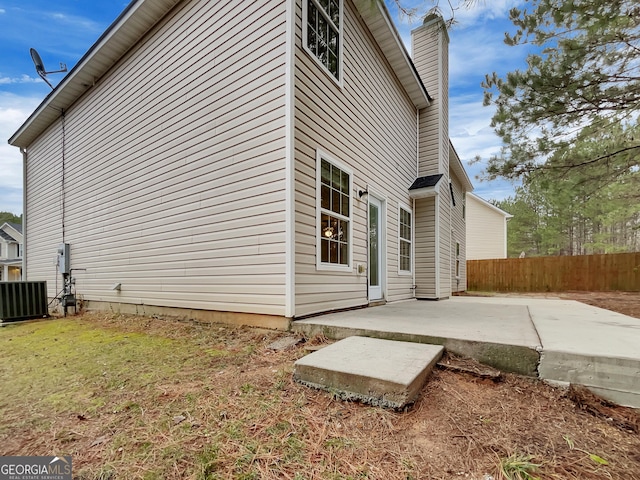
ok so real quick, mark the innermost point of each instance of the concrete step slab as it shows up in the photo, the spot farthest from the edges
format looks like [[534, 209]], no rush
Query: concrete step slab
[[378, 372]]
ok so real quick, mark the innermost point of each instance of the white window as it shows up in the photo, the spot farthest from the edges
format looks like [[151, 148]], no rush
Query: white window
[[404, 240], [19, 250], [322, 35], [333, 187]]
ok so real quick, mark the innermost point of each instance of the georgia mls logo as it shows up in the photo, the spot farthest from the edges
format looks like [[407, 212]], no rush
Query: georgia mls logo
[[35, 468]]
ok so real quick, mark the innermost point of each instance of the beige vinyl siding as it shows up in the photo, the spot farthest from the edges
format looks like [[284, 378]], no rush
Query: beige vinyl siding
[[443, 45], [369, 125], [458, 235], [44, 207], [175, 166], [444, 238], [428, 160], [429, 52], [486, 231], [425, 247]]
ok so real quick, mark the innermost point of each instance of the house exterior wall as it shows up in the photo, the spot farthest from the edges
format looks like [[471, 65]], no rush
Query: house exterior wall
[[486, 231], [444, 240], [429, 44], [425, 247], [10, 271], [8, 250], [430, 56], [458, 238], [174, 178], [43, 207], [368, 124]]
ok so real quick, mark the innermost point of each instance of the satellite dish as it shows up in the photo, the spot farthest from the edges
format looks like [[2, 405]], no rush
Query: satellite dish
[[37, 61]]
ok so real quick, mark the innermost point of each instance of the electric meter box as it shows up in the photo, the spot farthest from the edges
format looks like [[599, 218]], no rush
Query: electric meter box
[[64, 259]]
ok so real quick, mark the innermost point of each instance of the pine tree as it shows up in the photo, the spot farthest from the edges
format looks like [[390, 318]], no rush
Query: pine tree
[[586, 74]]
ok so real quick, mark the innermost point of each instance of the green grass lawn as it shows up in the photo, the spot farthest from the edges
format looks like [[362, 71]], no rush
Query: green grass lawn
[[125, 403], [140, 398]]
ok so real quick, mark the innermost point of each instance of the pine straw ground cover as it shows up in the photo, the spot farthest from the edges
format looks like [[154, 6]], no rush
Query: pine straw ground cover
[[134, 397]]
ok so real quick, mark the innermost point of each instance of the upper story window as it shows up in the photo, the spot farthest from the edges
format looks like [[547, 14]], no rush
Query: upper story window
[[334, 214], [323, 33], [19, 250]]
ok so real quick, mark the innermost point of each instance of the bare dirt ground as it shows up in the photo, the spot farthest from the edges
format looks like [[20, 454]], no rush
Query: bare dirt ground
[[627, 303], [135, 397]]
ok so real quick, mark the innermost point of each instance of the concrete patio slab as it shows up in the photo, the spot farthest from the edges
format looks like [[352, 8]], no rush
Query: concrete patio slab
[[584, 345], [558, 340], [502, 336], [379, 372]]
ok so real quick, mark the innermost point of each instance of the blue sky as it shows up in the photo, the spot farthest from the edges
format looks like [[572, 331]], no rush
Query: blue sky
[[62, 31]]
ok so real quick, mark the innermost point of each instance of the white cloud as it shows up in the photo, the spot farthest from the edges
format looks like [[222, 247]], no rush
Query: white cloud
[[75, 21], [472, 135], [13, 112], [474, 53], [483, 11], [21, 79], [2, 10]]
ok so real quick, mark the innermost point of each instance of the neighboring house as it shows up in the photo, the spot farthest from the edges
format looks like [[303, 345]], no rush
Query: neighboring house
[[486, 229], [275, 159], [10, 252]]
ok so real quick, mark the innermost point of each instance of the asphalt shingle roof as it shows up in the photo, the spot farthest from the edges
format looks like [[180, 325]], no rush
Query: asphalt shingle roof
[[4, 235], [424, 182]]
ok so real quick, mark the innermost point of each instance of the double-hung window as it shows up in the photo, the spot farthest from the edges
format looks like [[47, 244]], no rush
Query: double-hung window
[[405, 228], [322, 33], [334, 222]]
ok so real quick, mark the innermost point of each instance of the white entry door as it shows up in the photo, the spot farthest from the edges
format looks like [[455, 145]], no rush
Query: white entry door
[[376, 247]]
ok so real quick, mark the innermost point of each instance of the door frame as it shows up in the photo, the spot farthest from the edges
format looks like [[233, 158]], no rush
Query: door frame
[[379, 292]]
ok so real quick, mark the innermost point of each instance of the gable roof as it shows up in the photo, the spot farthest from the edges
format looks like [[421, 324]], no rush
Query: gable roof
[[489, 205], [7, 235], [141, 15], [16, 226]]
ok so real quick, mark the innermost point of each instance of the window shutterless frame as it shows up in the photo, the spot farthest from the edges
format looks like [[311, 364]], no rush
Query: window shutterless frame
[[322, 35], [334, 213]]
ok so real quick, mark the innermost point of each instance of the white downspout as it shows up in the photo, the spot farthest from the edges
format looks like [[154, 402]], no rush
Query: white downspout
[[413, 246], [437, 244], [413, 204], [290, 244], [24, 213], [452, 252]]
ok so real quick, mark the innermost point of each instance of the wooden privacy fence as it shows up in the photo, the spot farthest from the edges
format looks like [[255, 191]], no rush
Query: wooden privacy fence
[[598, 273]]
